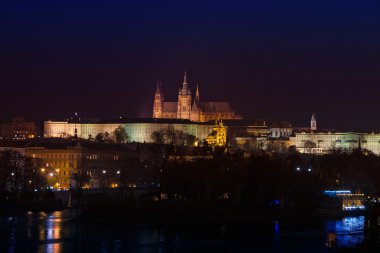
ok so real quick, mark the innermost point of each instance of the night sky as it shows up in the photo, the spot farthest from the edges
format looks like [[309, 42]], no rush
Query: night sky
[[280, 60]]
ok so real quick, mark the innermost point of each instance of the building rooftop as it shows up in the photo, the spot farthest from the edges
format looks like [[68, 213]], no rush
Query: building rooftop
[[59, 143], [280, 124], [246, 122]]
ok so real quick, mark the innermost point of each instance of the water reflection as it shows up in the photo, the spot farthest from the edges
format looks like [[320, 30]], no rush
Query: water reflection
[[276, 237], [54, 233], [349, 230], [50, 233]]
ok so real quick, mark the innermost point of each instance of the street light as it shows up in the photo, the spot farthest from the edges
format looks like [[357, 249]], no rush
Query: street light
[[118, 172], [104, 178], [298, 169], [12, 174]]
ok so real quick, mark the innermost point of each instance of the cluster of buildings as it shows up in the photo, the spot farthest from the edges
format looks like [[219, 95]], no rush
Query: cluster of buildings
[[99, 165], [314, 141], [189, 109], [213, 122], [18, 129]]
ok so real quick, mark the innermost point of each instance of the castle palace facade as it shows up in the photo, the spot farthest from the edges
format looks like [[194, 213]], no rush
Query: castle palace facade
[[187, 108]]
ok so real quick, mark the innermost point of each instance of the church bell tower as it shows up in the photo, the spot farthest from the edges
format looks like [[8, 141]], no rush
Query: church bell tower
[[313, 123], [184, 100], [157, 104]]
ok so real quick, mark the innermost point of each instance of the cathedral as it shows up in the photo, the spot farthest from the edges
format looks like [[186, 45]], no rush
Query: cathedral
[[187, 108]]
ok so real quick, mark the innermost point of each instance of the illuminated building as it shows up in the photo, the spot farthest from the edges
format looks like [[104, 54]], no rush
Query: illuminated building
[[259, 135], [17, 129], [280, 129], [138, 130], [315, 141], [247, 128], [61, 159], [218, 137], [185, 108], [343, 200]]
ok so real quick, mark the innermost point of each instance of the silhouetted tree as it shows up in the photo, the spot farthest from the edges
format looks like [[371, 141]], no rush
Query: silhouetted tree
[[104, 138], [20, 174], [120, 135]]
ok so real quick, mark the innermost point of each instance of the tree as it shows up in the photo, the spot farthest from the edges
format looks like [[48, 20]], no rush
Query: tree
[[120, 135], [189, 139], [107, 138], [173, 137], [99, 138], [170, 135], [103, 138], [19, 174], [157, 137]]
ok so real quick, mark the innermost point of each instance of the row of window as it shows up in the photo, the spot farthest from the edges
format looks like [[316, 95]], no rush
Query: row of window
[[56, 156], [96, 157]]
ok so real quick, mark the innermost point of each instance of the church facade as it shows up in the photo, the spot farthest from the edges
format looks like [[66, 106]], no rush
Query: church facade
[[187, 108]]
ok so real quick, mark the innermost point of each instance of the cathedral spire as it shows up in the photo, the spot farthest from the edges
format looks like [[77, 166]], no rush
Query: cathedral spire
[[158, 91], [157, 102], [196, 100], [185, 83]]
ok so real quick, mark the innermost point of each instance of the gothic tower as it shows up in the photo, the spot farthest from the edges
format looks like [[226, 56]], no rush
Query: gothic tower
[[184, 100], [313, 123], [195, 109], [197, 99], [158, 100]]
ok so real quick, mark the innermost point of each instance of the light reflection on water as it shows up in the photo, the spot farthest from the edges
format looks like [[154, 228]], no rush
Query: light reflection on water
[[50, 233], [349, 230], [54, 233]]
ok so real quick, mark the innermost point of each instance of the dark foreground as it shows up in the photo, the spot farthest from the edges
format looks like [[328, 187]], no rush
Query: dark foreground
[[60, 232]]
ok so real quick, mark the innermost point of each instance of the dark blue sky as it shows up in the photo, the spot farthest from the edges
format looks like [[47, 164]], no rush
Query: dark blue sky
[[270, 59]]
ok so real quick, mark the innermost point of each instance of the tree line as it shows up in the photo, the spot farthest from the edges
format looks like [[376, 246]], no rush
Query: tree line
[[119, 135], [265, 179], [20, 176]]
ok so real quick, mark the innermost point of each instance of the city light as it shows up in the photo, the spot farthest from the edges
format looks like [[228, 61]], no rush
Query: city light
[[118, 172], [50, 174], [348, 208], [335, 193], [12, 174], [104, 172], [298, 169]]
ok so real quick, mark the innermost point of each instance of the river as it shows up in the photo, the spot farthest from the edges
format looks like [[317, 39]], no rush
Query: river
[[56, 233]]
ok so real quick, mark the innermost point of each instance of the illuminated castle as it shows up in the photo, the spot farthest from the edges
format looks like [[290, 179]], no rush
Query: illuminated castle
[[185, 108]]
